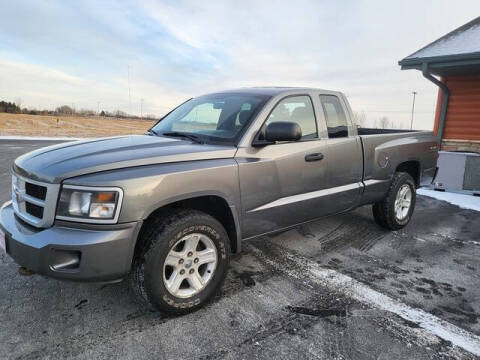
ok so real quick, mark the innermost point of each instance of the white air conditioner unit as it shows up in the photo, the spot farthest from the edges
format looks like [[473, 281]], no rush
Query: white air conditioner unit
[[458, 171]]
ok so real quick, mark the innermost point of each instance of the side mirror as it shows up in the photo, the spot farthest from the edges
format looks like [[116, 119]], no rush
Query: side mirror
[[283, 131]]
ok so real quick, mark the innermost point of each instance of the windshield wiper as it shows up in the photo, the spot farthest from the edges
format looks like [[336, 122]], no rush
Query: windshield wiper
[[192, 137], [152, 132]]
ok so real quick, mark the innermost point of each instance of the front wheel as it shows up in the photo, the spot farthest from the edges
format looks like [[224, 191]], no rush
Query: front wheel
[[181, 261], [395, 210]]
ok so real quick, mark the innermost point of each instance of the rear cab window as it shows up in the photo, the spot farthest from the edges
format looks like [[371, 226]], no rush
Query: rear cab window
[[337, 124]]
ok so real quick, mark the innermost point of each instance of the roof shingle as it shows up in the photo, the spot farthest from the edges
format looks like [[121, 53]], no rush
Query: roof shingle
[[461, 41]]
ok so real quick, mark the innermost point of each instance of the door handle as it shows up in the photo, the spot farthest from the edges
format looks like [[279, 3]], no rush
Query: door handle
[[314, 157]]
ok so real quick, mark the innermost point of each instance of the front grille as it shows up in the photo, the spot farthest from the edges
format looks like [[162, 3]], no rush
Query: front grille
[[37, 191], [34, 210], [34, 202]]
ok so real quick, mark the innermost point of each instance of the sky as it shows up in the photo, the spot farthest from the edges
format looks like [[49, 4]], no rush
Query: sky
[[109, 55]]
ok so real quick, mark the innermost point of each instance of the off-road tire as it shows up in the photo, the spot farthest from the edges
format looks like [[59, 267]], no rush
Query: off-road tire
[[154, 244], [384, 211]]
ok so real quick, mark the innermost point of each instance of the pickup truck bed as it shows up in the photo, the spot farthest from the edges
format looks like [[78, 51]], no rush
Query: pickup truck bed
[[375, 131], [382, 148]]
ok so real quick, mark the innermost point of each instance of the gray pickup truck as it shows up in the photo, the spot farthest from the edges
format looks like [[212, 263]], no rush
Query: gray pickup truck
[[167, 208]]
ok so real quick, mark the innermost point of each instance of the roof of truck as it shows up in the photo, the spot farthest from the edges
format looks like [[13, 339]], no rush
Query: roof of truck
[[271, 90]]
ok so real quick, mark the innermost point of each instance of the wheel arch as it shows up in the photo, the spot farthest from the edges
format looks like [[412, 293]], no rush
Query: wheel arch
[[411, 167], [213, 204]]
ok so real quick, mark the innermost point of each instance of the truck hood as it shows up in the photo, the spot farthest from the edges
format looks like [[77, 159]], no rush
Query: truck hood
[[58, 162]]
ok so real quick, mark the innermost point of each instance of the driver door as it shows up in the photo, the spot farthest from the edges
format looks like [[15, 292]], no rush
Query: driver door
[[281, 184]]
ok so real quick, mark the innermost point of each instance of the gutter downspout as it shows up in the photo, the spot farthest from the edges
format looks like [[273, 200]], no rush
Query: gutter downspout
[[445, 97]]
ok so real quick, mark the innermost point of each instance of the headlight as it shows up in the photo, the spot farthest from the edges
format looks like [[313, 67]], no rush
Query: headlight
[[93, 205]]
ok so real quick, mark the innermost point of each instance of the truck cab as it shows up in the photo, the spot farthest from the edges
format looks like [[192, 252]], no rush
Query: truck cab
[[296, 181]]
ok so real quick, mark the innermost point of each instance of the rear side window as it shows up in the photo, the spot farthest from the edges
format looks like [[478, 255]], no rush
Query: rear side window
[[335, 116], [297, 109]]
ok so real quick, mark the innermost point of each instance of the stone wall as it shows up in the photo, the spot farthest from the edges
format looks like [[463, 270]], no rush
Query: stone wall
[[461, 145]]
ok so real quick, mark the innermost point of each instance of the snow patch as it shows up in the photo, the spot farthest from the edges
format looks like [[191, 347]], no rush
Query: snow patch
[[337, 281], [462, 42], [464, 201]]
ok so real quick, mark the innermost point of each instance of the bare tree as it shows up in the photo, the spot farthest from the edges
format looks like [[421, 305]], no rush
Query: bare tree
[[397, 124], [384, 122], [120, 114], [86, 112], [64, 110], [360, 118]]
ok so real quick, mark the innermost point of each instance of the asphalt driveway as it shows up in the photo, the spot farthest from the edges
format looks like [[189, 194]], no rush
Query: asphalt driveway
[[339, 288]]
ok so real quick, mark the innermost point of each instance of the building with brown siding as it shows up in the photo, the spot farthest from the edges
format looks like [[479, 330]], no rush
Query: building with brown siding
[[462, 123], [453, 64]]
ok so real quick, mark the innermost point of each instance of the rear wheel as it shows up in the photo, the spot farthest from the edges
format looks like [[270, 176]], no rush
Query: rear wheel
[[396, 209], [181, 261]]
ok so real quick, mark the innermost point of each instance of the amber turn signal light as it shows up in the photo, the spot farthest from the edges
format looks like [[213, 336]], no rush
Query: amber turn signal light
[[106, 197]]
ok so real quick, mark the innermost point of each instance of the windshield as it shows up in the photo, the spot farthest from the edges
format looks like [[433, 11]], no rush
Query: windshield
[[217, 117]]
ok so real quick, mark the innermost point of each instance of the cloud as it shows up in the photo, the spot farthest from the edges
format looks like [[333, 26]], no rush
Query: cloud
[[38, 83], [353, 47], [44, 87], [79, 52]]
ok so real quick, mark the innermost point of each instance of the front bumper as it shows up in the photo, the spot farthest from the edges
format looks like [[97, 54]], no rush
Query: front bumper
[[70, 251]]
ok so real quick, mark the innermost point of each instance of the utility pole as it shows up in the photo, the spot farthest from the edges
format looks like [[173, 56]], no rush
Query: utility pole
[[413, 109], [98, 108], [141, 108], [129, 97]]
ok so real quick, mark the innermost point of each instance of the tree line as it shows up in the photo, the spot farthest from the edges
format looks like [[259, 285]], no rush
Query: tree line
[[9, 107], [360, 119], [65, 110]]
